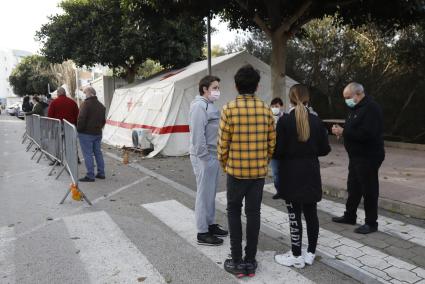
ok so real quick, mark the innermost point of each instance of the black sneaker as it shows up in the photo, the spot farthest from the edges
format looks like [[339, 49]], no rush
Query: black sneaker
[[344, 220], [207, 239], [236, 268], [86, 179], [366, 229], [216, 230], [100, 176], [276, 196], [251, 267]]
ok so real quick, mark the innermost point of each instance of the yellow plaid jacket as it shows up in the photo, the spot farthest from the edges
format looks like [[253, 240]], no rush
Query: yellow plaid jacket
[[246, 137]]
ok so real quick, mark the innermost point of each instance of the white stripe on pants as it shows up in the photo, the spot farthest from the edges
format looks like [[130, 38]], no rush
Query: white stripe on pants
[[206, 173]]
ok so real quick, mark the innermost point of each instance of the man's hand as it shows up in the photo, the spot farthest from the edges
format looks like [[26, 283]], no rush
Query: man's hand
[[337, 130]]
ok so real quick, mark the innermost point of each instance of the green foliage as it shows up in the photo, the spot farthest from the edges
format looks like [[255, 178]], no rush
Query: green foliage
[[117, 34], [149, 68], [31, 76], [329, 54], [216, 50]]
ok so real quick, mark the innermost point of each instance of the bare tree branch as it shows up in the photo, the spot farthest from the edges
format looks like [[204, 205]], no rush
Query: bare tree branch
[[260, 22], [262, 26], [287, 23]]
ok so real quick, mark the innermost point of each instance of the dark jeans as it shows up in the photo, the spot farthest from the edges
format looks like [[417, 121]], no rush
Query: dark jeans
[[275, 172], [252, 191], [296, 226], [363, 182]]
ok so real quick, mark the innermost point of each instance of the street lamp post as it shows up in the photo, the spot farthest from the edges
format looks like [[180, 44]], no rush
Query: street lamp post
[[209, 42]]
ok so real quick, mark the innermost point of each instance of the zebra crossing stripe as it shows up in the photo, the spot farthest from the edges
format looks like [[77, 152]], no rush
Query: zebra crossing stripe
[[376, 264], [387, 225], [182, 221], [107, 254], [7, 251]]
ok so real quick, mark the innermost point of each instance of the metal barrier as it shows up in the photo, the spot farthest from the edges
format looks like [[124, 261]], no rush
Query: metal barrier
[[28, 131], [51, 140], [36, 135], [27, 128], [36, 129], [51, 137], [71, 158]]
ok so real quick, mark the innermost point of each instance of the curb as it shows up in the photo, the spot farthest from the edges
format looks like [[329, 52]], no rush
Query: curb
[[384, 203]]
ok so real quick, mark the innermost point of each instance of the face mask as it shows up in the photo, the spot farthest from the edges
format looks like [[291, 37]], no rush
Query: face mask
[[214, 95], [275, 110], [350, 102]]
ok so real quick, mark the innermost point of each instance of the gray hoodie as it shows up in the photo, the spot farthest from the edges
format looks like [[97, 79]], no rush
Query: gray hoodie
[[204, 118]]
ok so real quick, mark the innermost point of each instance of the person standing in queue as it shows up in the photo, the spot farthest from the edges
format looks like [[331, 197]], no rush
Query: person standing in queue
[[246, 143], [203, 125], [276, 106], [90, 123], [301, 139]]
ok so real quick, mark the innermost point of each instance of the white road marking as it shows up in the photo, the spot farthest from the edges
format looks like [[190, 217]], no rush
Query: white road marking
[[120, 189], [7, 254], [364, 259], [387, 225], [182, 221], [108, 255], [76, 210]]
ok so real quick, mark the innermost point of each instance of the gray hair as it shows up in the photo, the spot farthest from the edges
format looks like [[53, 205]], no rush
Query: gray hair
[[355, 88], [60, 91], [89, 89]]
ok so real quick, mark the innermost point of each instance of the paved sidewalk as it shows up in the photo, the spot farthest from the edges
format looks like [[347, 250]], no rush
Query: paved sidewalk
[[402, 179]]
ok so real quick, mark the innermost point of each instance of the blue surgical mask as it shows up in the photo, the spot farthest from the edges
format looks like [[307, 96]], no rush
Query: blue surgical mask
[[350, 102]]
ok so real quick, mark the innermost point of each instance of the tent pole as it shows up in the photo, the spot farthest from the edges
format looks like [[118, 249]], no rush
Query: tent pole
[[209, 42]]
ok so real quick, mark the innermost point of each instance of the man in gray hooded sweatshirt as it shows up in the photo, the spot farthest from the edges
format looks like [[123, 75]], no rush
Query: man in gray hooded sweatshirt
[[203, 123]]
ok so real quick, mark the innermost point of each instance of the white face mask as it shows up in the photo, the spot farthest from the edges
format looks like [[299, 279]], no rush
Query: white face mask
[[275, 110], [214, 95]]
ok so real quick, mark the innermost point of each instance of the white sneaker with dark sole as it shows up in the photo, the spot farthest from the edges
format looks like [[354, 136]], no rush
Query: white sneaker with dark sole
[[288, 259]]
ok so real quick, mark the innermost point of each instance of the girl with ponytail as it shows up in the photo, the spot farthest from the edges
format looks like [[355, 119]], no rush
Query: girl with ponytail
[[301, 139]]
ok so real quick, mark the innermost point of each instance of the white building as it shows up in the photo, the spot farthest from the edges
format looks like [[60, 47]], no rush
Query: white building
[[9, 58]]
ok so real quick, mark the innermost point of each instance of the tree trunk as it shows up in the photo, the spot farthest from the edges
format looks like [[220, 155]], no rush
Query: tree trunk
[[130, 75], [278, 67]]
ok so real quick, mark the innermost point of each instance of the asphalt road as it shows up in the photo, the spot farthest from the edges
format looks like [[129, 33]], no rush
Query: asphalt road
[[139, 228]]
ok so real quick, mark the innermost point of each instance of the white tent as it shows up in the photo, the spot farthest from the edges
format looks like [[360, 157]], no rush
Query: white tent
[[162, 103]]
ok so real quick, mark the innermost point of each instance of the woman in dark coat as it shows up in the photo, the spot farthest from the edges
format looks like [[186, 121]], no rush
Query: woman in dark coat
[[301, 139], [38, 107]]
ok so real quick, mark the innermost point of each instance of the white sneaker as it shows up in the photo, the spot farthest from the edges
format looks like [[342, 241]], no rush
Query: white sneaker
[[288, 259], [308, 257]]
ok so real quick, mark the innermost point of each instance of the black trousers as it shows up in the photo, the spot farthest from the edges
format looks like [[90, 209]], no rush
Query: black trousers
[[296, 227], [252, 191], [363, 182]]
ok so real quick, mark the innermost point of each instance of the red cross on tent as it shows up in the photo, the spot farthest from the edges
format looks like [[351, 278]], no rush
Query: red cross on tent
[[130, 104]]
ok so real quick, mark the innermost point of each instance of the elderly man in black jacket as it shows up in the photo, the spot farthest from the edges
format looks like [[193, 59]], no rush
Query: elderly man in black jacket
[[364, 144]]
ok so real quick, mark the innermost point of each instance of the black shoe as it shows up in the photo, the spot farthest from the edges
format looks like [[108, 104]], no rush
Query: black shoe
[[100, 176], [366, 229], [236, 268], [207, 239], [276, 196], [216, 230], [344, 220], [251, 267], [87, 179]]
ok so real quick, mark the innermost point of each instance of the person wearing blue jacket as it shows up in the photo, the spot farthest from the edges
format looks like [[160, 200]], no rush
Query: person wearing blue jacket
[[204, 119]]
